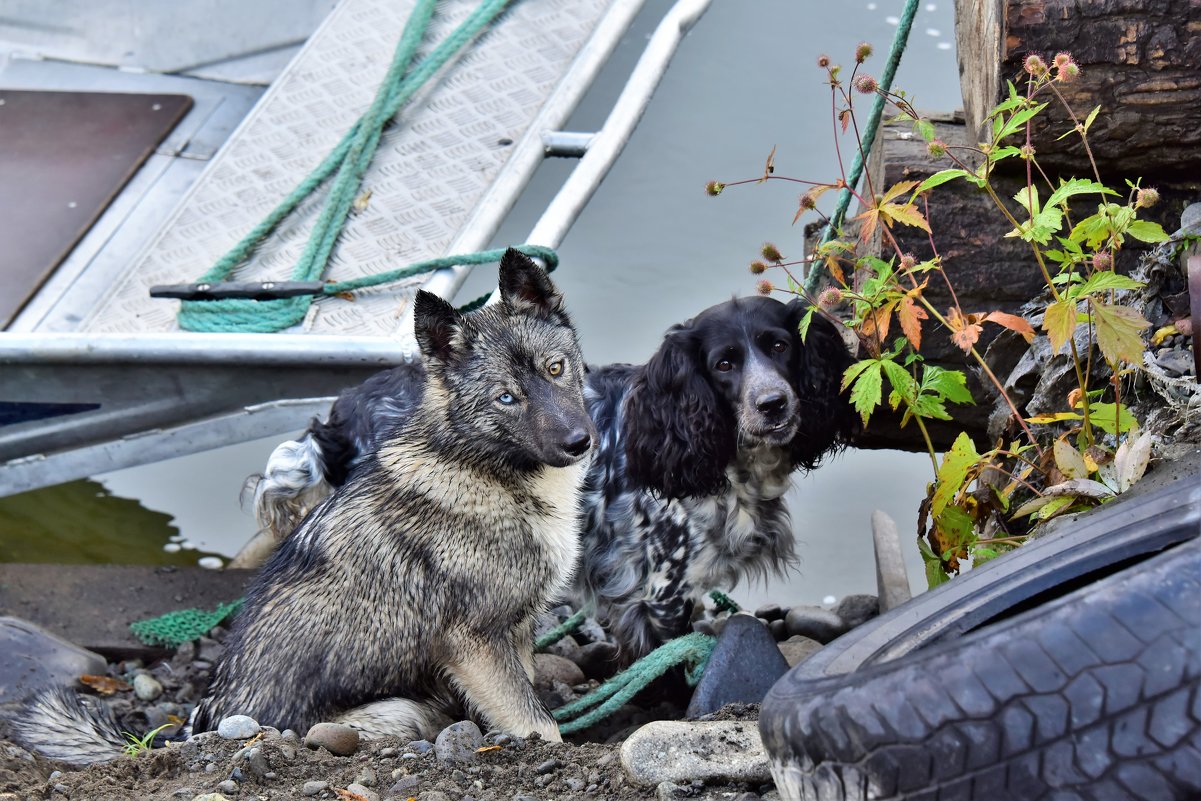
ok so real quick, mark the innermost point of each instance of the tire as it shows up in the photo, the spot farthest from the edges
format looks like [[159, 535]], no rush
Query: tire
[[1095, 695], [1078, 551]]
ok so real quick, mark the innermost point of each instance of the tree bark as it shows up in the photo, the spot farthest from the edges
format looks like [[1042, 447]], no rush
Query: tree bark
[[1139, 59]]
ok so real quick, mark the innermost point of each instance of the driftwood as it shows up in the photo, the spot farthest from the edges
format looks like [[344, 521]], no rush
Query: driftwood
[[1139, 59]]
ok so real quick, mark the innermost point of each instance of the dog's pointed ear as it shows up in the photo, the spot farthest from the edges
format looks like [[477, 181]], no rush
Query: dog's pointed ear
[[827, 419], [678, 438], [525, 287], [436, 325]]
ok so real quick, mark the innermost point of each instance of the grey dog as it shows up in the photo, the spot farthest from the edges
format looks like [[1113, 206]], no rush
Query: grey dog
[[409, 596]]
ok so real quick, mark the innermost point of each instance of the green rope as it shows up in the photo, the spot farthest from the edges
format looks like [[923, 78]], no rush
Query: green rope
[[817, 269], [176, 628], [349, 160], [723, 602], [692, 650], [559, 632]]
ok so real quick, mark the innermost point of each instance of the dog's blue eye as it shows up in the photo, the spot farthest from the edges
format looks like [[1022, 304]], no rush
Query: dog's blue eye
[[507, 399]]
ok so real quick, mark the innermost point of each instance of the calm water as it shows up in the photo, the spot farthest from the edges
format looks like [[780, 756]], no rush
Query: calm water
[[650, 250]]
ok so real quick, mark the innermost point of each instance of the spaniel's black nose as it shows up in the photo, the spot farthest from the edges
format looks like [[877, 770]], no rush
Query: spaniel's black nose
[[771, 402]]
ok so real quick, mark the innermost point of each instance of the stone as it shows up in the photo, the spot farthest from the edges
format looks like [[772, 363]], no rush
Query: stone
[[367, 778], [238, 727], [366, 792], [32, 658], [228, 786], [777, 629], [797, 649], [208, 797], [892, 578], [683, 751], [458, 742], [433, 795], [669, 791], [549, 668], [814, 622], [855, 610], [314, 788], [744, 665], [146, 687], [333, 737], [549, 766], [770, 612], [403, 787], [1176, 362], [419, 747], [598, 660]]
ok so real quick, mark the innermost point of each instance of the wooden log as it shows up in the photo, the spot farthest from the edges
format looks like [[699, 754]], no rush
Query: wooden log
[[1139, 59]]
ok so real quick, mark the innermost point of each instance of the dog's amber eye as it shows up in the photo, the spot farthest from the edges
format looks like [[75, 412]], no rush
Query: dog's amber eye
[[779, 346], [555, 369], [725, 365]]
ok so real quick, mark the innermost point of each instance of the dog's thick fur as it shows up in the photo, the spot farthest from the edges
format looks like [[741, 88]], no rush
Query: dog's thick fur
[[409, 596], [696, 449]]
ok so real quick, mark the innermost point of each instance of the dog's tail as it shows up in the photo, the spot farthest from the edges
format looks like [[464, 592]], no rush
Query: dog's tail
[[293, 483], [62, 725]]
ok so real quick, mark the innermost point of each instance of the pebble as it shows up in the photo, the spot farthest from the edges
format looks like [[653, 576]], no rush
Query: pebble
[[1176, 362], [770, 612], [366, 792], [387, 753], [457, 743], [210, 797], [146, 687], [574, 784], [333, 737], [419, 747], [598, 660], [679, 751], [314, 788], [228, 786], [548, 766], [855, 610], [433, 795], [367, 778], [238, 727], [403, 785], [777, 629], [797, 649], [668, 791], [551, 668], [814, 622]]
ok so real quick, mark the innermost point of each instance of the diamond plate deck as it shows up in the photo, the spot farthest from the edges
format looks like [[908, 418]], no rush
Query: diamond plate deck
[[443, 157]]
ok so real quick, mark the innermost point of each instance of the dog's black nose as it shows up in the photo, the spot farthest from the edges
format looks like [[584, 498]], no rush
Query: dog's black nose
[[577, 442], [771, 402]]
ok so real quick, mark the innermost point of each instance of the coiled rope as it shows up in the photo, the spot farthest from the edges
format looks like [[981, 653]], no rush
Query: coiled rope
[[349, 160]]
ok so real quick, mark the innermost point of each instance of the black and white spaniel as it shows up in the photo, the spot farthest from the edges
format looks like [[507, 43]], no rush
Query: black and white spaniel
[[695, 451]]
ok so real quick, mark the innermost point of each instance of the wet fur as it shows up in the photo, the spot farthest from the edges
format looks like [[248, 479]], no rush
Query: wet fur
[[685, 491]]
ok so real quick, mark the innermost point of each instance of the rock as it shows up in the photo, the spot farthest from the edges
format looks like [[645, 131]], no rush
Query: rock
[[549, 766], [744, 665], [146, 687], [549, 668], [814, 622], [770, 612], [367, 778], [419, 747], [366, 792], [777, 629], [797, 649], [680, 751], [855, 610], [314, 788], [256, 763], [668, 791], [457, 743], [333, 737], [433, 795], [238, 727], [704, 627], [892, 577], [207, 797], [32, 658], [1176, 362], [403, 787], [228, 786], [598, 660]]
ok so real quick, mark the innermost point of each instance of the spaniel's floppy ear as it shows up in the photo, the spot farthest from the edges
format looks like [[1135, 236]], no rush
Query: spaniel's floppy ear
[[827, 420], [525, 287], [678, 436]]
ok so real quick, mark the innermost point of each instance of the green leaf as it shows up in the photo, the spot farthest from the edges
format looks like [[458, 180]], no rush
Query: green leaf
[[951, 473], [854, 370], [1104, 281], [1118, 330], [955, 528], [868, 388], [1147, 231], [1092, 115], [1027, 198], [1019, 118], [1107, 416], [949, 384], [1054, 505], [939, 178], [925, 129], [935, 575], [803, 327], [980, 555], [1077, 186], [901, 380]]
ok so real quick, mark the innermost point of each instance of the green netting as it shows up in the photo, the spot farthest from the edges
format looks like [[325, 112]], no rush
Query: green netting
[[176, 628]]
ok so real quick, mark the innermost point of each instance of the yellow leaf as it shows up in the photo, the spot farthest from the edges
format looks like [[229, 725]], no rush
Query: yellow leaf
[[1059, 322], [1118, 330], [906, 215]]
